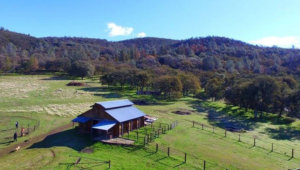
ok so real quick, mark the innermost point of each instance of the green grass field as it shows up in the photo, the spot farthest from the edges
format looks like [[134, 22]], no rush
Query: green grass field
[[47, 99]]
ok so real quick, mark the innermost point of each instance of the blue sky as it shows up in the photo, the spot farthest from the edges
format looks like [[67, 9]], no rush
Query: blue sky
[[266, 22]]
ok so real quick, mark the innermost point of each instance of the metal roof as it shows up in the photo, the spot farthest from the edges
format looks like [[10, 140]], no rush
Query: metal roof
[[115, 104], [81, 119], [105, 125], [123, 114]]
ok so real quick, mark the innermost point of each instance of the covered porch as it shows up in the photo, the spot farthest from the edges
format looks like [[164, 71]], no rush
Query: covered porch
[[104, 130]]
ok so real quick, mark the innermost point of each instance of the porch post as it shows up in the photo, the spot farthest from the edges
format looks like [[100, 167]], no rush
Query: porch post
[[122, 128]]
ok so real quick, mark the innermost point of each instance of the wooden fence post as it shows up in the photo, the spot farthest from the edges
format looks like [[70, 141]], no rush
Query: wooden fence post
[[225, 133], [137, 136], [202, 126], [272, 148], [156, 147], [109, 164], [204, 164], [239, 137], [168, 151], [292, 153], [254, 142], [184, 157]]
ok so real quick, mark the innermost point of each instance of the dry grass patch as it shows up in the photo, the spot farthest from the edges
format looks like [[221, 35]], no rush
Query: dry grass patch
[[53, 109], [20, 87]]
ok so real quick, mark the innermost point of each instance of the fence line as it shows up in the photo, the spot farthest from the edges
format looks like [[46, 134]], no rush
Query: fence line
[[148, 134], [183, 156], [22, 130], [254, 141]]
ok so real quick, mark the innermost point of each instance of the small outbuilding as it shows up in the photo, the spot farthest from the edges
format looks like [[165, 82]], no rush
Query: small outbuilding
[[110, 119]]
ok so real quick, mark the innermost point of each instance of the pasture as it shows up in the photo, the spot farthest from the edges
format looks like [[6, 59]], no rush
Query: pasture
[[47, 99]]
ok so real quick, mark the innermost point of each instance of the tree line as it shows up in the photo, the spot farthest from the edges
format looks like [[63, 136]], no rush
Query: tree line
[[261, 93], [168, 84]]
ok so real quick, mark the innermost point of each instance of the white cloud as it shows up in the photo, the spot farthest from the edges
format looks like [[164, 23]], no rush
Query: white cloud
[[285, 42], [141, 35], [117, 30]]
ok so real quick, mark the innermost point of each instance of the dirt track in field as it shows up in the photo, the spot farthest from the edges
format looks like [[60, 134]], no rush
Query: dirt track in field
[[33, 140]]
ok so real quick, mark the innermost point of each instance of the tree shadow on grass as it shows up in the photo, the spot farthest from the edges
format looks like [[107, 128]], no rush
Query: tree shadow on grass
[[284, 133], [68, 138], [58, 78], [217, 117], [233, 118], [101, 92], [114, 92]]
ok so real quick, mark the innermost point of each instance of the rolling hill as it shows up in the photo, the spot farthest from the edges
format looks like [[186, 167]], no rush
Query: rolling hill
[[209, 53]]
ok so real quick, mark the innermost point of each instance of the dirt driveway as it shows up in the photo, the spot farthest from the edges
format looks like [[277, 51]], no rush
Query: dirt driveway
[[33, 140]]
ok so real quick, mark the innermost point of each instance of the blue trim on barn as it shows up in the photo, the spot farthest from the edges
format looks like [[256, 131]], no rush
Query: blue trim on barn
[[81, 119]]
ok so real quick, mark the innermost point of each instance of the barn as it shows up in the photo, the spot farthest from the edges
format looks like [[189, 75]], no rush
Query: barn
[[110, 119]]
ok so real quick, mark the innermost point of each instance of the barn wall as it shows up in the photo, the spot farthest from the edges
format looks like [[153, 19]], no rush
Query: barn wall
[[85, 127], [134, 124], [97, 112], [115, 130]]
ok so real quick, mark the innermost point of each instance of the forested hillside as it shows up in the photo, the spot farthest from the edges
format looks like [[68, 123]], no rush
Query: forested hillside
[[21, 53], [258, 78]]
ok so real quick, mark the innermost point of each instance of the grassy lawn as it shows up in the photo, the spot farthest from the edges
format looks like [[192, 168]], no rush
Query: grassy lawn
[[47, 99]]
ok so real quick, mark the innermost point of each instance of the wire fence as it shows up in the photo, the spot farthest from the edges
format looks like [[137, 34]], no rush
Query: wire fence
[[184, 157], [149, 133], [254, 141], [146, 135], [7, 135]]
